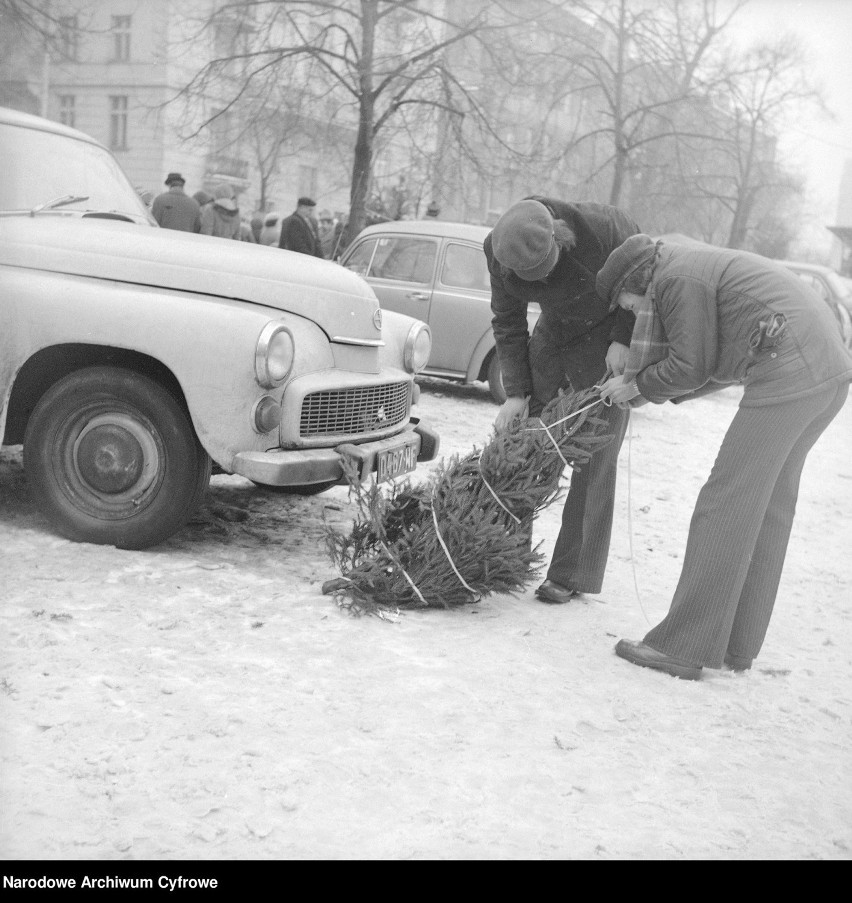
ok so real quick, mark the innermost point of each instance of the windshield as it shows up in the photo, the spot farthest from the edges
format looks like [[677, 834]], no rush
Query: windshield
[[40, 167]]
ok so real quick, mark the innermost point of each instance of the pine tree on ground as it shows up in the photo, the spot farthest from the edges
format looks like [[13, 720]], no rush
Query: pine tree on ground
[[466, 532]]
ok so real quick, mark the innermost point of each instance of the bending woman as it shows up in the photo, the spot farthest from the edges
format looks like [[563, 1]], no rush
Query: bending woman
[[707, 318]]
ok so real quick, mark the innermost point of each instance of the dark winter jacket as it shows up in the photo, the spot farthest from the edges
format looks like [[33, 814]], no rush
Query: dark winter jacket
[[297, 235], [571, 310], [174, 209], [715, 306]]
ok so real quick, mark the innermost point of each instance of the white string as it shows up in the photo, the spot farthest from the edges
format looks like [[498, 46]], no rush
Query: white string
[[449, 557], [556, 445], [630, 518], [404, 573], [538, 429], [514, 517]]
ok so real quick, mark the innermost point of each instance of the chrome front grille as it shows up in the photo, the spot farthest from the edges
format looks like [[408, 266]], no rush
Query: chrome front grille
[[365, 409]]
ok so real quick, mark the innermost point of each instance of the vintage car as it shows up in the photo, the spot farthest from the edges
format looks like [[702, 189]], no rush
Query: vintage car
[[133, 359], [436, 271], [832, 288]]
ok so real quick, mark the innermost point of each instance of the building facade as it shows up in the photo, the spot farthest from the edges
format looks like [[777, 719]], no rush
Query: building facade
[[118, 70]]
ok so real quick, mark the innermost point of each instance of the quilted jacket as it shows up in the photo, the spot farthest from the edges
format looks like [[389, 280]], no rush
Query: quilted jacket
[[735, 317]]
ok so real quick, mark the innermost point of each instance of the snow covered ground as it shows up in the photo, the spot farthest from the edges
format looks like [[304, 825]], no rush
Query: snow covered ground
[[204, 700]]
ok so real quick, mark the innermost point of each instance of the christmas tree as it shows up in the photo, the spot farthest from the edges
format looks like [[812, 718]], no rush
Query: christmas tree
[[467, 531]]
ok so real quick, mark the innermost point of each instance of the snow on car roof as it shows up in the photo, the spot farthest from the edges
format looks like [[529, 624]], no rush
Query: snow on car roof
[[27, 120], [442, 228]]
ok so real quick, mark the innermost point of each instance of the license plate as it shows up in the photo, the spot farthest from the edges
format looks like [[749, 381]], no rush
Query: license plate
[[395, 461]]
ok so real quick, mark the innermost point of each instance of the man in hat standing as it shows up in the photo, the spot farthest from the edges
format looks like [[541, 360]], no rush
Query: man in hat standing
[[174, 209], [548, 251], [299, 230]]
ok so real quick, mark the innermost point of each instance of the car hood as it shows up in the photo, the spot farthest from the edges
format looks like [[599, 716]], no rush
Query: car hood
[[335, 298]]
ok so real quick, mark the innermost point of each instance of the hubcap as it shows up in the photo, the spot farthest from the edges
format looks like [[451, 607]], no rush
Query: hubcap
[[110, 459], [115, 455]]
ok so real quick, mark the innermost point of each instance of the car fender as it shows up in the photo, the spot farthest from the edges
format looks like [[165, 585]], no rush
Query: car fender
[[209, 347]]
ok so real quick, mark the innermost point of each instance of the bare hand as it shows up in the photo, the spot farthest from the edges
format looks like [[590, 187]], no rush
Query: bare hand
[[616, 358], [618, 390], [511, 409]]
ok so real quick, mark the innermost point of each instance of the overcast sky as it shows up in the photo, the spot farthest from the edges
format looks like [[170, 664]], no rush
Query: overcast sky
[[819, 147]]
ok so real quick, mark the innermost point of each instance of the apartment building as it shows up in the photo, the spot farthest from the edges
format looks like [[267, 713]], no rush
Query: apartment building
[[118, 70]]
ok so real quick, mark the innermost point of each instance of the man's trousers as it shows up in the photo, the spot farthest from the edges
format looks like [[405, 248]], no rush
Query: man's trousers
[[582, 546]]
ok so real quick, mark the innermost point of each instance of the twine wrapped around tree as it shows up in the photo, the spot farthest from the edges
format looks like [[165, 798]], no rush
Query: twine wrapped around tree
[[466, 532]]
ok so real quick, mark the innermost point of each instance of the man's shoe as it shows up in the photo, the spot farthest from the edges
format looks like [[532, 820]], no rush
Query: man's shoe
[[737, 662], [554, 593], [640, 654]]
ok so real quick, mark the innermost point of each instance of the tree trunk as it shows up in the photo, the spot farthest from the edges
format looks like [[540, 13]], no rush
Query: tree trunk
[[739, 224], [362, 164], [619, 172], [620, 159], [361, 175]]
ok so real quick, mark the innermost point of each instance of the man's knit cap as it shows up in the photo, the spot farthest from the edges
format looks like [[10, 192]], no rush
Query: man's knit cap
[[523, 241]]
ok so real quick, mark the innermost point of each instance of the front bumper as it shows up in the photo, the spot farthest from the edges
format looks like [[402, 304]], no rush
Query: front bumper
[[306, 467]]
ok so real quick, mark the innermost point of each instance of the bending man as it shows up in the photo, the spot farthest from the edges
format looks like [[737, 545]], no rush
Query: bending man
[[548, 252]]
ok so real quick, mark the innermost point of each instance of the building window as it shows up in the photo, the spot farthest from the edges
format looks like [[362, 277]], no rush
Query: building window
[[68, 37], [308, 181], [68, 110], [121, 36], [118, 122]]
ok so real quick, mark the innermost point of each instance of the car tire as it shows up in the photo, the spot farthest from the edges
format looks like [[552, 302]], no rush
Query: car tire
[[495, 379], [112, 458], [312, 489]]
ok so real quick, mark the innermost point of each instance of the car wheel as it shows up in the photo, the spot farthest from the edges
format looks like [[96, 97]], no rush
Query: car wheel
[[312, 489], [112, 458], [495, 379]]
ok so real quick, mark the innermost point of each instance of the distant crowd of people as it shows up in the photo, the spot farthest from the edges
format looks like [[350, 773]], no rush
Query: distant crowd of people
[[219, 214]]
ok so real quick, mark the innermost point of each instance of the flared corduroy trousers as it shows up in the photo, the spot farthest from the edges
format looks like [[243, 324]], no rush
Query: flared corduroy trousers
[[739, 532]]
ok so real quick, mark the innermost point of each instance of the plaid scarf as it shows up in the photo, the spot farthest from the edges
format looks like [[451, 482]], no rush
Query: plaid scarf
[[648, 343]]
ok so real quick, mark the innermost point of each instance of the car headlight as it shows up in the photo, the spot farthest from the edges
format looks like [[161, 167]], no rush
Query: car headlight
[[273, 358], [418, 347]]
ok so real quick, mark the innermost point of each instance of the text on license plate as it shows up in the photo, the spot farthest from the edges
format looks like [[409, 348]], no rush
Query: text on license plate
[[395, 461]]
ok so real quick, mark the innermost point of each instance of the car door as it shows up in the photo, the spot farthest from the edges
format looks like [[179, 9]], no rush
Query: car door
[[460, 312], [400, 270]]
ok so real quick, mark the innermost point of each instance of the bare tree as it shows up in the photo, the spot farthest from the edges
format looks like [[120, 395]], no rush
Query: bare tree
[[37, 18], [31, 33], [640, 63], [762, 93], [364, 61]]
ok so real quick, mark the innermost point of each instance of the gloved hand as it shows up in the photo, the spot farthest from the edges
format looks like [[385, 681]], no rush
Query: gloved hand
[[512, 408]]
